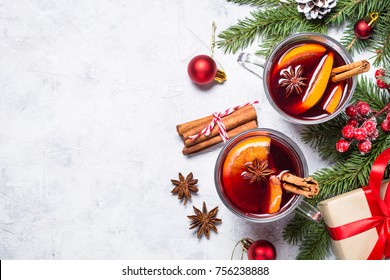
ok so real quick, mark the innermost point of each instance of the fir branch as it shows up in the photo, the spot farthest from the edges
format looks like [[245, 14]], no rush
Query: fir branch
[[370, 93], [270, 23], [324, 136], [349, 10], [259, 3], [381, 39], [245, 32], [297, 229], [316, 245], [268, 44]]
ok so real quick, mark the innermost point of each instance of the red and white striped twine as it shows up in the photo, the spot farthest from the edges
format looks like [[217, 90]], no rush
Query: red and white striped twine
[[218, 120]]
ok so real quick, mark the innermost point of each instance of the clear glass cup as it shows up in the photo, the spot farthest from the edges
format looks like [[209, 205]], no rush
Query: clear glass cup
[[262, 68], [294, 203]]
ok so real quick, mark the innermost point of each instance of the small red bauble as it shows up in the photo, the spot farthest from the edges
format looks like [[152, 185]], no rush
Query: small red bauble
[[261, 250], [362, 29], [202, 69]]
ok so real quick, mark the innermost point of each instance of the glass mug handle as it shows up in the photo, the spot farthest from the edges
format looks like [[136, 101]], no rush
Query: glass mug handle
[[308, 211], [248, 60]]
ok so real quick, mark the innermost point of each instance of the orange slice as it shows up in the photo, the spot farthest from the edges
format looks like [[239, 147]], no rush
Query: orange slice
[[334, 98], [274, 195], [246, 151], [299, 53], [317, 85]]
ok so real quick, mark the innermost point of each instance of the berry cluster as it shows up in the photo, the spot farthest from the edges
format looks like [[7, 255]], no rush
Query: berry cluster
[[361, 127], [379, 82]]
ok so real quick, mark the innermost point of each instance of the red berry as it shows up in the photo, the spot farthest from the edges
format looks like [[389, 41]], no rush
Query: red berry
[[379, 73], [381, 84], [369, 126], [348, 131], [374, 134], [351, 111], [353, 122], [364, 146], [388, 117], [342, 145], [360, 133], [385, 125], [363, 108]]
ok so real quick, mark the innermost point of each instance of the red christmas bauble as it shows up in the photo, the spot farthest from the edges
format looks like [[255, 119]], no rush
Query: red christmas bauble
[[363, 30], [202, 69], [261, 250]]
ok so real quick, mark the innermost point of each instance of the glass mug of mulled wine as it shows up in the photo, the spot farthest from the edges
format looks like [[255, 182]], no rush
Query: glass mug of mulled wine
[[255, 173], [297, 77]]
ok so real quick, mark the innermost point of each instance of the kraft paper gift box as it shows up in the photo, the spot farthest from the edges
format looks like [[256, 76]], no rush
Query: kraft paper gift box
[[346, 208]]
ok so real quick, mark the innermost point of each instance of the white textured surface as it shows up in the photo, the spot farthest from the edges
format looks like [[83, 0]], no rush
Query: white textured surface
[[91, 92]]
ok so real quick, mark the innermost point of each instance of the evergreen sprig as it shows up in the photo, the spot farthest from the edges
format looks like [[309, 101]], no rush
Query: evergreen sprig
[[352, 10], [274, 20], [258, 3]]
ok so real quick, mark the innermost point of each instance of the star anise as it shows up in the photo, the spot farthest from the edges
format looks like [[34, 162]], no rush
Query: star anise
[[205, 221], [292, 80], [184, 187], [256, 171]]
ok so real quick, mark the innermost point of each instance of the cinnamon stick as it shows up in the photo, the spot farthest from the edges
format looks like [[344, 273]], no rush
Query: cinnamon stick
[[217, 139], [231, 121], [307, 187], [237, 118], [347, 71], [181, 128], [350, 66]]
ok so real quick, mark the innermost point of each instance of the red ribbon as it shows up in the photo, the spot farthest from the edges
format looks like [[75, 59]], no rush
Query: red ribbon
[[380, 211]]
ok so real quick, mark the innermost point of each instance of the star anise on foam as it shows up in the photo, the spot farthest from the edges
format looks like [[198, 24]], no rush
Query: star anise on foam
[[257, 171], [292, 80], [205, 221], [184, 186]]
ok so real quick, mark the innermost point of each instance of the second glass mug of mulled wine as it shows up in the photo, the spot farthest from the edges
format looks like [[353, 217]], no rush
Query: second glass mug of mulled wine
[[261, 176], [297, 77]]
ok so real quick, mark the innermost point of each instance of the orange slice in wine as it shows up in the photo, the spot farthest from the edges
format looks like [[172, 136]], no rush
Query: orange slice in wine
[[331, 103], [300, 53], [246, 151], [317, 85], [274, 195]]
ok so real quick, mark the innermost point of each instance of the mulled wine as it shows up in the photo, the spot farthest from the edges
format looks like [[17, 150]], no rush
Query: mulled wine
[[246, 174], [300, 80]]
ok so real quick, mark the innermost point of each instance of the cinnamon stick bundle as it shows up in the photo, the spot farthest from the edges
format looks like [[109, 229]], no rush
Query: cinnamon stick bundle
[[238, 121], [217, 139]]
